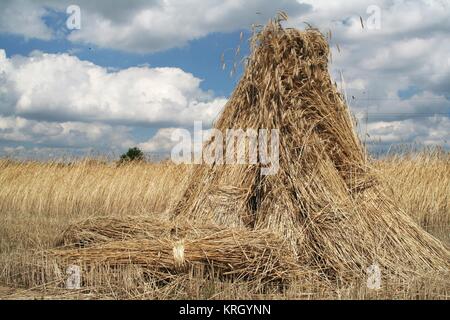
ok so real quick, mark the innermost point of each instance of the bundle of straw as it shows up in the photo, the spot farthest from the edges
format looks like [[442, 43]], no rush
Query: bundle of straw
[[237, 253], [324, 199], [103, 229]]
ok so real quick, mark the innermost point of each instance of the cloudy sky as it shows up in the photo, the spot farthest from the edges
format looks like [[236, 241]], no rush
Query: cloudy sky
[[136, 70]]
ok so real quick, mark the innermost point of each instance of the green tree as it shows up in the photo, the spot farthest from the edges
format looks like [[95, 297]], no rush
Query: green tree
[[133, 154]]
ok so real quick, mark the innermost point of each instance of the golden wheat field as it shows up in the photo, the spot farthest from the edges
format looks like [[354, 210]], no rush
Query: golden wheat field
[[38, 201]]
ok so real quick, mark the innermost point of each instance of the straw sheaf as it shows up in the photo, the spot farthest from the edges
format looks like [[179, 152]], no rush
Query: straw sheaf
[[237, 253], [324, 200]]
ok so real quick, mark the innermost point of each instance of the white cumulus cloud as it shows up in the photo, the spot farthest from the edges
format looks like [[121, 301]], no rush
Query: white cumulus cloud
[[61, 87]]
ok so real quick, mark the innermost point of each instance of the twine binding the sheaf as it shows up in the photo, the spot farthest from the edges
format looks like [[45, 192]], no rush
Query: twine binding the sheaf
[[178, 253]]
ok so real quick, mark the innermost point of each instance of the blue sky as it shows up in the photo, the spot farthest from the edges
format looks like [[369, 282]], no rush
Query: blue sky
[[135, 72]]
